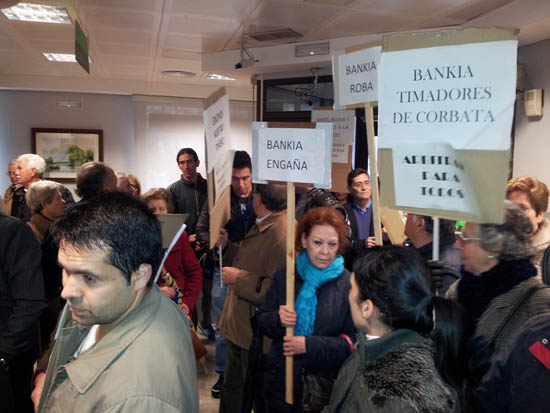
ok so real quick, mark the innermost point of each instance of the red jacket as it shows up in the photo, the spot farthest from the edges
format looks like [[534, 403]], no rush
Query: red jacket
[[183, 266]]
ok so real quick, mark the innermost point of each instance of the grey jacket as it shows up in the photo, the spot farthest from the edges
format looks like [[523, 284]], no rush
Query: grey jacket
[[395, 373], [189, 198], [145, 364]]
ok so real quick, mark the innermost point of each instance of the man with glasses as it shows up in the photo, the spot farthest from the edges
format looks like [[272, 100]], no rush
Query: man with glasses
[[359, 212]]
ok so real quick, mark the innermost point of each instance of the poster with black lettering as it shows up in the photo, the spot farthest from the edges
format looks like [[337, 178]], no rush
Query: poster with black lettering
[[292, 155], [432, 176], [463, 95], [343, 127], [218, 130], [355, 76]]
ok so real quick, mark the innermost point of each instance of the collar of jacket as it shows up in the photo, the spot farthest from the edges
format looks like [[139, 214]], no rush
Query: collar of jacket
[[427, 250], [90, 365], [375, 349], [200, 180], [269, 221]]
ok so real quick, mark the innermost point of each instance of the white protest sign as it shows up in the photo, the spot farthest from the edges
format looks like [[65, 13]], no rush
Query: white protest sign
[[292, 155], [218, 131], [356, 76], [462, 94], [432, 176], [222, 172], [343, 127]]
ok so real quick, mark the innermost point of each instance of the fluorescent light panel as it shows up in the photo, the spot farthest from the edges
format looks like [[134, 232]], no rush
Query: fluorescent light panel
[[214, 76], [38, 13], [62, 57]]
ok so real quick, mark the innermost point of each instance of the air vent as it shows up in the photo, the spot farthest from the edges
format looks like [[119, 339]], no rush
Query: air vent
[[274, 35]]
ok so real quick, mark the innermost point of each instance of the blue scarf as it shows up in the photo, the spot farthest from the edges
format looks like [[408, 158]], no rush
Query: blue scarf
[[306, 302]]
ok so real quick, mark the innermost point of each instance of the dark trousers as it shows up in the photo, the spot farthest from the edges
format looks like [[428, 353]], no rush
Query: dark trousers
[[15, 386], [236, 389]]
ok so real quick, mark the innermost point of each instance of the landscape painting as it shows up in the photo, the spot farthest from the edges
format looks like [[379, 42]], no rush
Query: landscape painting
[[66, 150]]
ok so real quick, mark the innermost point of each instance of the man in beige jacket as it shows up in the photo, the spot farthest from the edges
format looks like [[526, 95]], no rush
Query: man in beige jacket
[[123, 346], [254, 262]]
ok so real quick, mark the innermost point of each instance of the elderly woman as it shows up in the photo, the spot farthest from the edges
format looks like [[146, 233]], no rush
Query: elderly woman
[[532, 197], [128, 183], [397, 366], [499, 290], [182, 264], [46, 204], [323, 327]]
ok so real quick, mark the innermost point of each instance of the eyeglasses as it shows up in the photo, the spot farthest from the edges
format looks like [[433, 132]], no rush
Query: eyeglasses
[[464, 239]]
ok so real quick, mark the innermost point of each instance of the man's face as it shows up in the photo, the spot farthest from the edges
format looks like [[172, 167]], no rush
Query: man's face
[[188, 166], [360, 188], [241, 182], [96, 291], [12, 170], [24, 173]]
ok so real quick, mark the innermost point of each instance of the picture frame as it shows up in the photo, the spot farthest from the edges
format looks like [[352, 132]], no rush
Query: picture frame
[[66, 150]]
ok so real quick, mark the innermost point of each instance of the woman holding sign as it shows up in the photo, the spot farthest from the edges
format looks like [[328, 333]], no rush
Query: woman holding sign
[[323, 327]]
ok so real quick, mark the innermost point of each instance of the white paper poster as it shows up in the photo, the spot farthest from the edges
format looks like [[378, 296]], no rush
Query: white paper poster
[[432, 176], [343, 127], [223, 171], [463, 95], [356, 76], [294, 155], [218, 131]]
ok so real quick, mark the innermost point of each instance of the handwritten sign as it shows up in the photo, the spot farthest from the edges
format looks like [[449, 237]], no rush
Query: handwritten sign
[[356, 76], [222, 172], [218, 131], [343, 131], [432, 176], [292, 155], [462, 94]]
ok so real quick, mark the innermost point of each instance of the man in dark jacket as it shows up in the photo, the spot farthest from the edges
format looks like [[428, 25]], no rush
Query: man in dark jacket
[[189, 193], [419, 229], [21, 302], [359, 211], [242, 218]]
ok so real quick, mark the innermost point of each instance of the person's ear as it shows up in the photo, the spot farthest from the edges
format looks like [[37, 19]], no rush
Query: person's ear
[[197, 163], [539, 218], [141, 276], [367, 309]]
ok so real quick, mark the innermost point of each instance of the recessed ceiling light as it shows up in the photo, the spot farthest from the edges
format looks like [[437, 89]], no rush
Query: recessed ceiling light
[[62, 57], [178, 73], [214, 76], [38, 13]]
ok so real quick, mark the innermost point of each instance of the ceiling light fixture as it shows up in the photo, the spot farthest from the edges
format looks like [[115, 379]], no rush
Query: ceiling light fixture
[[312, 49], [177, 73], [62, 57], [38, 13], [214, 76]]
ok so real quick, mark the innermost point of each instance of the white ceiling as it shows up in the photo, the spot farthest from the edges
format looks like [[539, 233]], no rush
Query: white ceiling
[[132, 41]]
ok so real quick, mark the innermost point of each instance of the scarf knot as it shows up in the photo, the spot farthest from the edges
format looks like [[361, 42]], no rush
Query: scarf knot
[[306, 302]]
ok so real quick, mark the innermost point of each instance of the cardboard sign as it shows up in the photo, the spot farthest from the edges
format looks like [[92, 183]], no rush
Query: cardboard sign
[[446, 108], [356, 76], [217, 128], [463, 95], [222, 173], [292, 155], [343, 131]]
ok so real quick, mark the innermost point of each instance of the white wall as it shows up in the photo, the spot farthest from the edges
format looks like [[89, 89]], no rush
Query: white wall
[[22, 110], [141, 135], [532, 144]]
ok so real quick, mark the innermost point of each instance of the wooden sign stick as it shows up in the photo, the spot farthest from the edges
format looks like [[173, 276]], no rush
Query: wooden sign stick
[[369, 121], [290, 256]]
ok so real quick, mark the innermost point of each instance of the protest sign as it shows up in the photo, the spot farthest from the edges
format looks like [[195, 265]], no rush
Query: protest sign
[[343, 131], [356, 76], [446, 108], [217, 127]]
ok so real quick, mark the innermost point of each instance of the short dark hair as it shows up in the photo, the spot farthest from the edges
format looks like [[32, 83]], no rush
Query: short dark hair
[[187, 151], [356, 172], [117, 223], [92, 178], [242, 160], [273, 196], [446, 226]]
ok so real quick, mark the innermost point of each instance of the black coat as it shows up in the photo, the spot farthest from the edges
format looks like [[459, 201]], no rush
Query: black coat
[[189, 198], [326, 350], [21, 287]]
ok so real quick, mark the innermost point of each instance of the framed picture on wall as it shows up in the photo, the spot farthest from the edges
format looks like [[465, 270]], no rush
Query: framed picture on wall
[[66, 150]]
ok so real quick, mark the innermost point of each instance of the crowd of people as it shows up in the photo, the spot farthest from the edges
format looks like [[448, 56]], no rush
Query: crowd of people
[[87, 325]]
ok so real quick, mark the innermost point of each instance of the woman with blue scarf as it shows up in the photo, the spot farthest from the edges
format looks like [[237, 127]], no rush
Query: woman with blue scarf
[[323, 327]]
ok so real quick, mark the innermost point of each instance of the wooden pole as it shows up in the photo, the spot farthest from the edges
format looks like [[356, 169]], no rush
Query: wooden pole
[[290, 249], [369, 121]]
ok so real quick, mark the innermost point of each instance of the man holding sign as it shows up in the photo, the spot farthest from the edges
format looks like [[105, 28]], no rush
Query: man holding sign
[[253, 266]]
